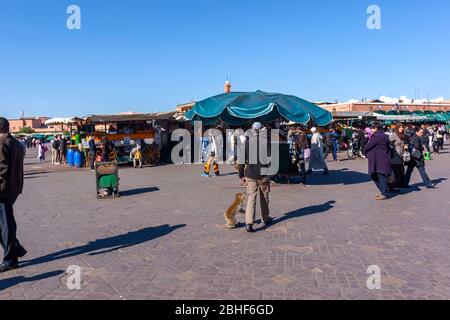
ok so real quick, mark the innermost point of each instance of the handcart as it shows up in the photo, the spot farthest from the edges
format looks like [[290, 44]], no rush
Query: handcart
[[107, 179]]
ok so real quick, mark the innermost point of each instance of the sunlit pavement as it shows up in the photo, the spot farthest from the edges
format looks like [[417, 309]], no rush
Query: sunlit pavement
[[165, 238]]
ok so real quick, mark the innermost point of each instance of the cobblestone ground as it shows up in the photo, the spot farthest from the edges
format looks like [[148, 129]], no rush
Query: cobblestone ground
[[165, 237]]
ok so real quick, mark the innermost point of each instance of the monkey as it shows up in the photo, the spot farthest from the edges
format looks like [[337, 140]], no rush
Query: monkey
[[236, 206]]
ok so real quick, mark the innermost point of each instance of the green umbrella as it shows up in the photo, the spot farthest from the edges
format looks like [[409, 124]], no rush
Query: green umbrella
[[442, 117], [237, 108]]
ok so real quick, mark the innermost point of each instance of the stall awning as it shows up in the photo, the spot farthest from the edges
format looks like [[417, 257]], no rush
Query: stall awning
[[130, 117], [237, 108], [400, 118], [442, 117], [353, 115]]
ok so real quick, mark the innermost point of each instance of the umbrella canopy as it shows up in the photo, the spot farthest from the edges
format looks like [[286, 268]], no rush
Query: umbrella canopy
[[237, 108], [442, 117]]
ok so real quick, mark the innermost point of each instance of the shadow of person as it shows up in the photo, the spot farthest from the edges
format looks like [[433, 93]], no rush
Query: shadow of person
[[11, 282], [305, 212], [138, 191], [416, 187], [439, 181], [342, 176], [102, 246]]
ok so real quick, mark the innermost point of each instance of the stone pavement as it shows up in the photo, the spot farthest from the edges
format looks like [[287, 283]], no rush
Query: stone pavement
[[165, 237]]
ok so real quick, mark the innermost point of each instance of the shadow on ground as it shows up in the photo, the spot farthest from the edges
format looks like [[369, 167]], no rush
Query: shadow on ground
[[415, 187], [11, 282], [305, 212], [342, 176], [106, 245], [135, 192]]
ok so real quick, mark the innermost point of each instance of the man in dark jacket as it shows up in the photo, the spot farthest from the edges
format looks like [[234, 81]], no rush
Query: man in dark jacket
[[362, 141], [92, 153], [331, 144], [62, 149], [11, 185], [425, 138], [377, 151], [418, 162]]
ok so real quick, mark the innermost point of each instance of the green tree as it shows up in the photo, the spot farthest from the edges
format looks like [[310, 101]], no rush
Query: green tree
[[26, 130]]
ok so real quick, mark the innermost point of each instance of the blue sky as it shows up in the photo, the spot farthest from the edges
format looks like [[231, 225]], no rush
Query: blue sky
[[149, 55]]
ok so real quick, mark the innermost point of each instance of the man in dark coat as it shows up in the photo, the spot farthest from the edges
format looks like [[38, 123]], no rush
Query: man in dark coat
[[377, 151], [425, 138], [11, 185], [418, 162], [62, 149], [92, 153]]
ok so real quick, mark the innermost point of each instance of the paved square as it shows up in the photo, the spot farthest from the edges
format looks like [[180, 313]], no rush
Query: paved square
[[165, 238]]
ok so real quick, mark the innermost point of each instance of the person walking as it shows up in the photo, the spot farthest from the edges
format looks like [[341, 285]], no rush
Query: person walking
[[62, 149], [440, 137], [331, 144], [11, 185], [377, 151], [55, 150], [427, 138], [362, 138], [92, 153], [42, 149], [316, 159], [257, 183], [417, 159], [212, 158], [398, 146]]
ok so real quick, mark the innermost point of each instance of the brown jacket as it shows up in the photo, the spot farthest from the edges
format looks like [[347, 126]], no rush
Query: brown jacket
[[11, 166]]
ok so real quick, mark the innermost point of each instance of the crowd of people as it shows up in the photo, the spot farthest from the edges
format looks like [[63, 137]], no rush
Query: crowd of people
[[405, 146], [59, 149], [393, 154]]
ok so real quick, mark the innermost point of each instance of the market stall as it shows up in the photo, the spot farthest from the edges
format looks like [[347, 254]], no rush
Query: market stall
[[242, 108], [126, 131]]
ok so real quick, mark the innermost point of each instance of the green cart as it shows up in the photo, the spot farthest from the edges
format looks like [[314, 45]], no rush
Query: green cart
[[107, 179]]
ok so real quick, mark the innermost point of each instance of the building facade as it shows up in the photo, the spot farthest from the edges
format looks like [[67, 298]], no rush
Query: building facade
[[37, 124], [380, 106]]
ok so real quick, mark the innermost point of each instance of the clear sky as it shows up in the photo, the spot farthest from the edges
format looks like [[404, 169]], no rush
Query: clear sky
[[149, 55]]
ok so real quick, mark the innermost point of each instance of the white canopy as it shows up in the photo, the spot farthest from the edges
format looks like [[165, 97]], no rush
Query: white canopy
[[411, 118], [56, 121]]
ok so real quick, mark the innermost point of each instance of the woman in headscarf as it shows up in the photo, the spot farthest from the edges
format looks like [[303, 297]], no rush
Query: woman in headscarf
[[398, 144], [316, 159], [42, 149]]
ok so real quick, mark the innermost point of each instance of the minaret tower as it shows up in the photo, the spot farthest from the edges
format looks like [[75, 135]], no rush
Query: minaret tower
[[227, 87]]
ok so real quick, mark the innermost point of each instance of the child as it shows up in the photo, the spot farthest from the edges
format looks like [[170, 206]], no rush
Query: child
[[136, 155]]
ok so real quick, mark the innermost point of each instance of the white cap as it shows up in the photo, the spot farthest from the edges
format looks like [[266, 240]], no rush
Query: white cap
[[313, 129], [257, 126]]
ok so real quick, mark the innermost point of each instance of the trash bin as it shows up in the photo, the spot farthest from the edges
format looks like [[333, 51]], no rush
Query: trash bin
[[78, 159], [70, 157]]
